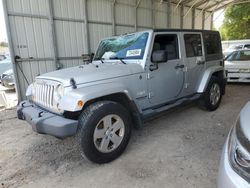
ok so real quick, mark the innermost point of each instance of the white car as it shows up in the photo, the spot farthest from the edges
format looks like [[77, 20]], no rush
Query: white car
[[237, 65], [235, 48], [234, 171]]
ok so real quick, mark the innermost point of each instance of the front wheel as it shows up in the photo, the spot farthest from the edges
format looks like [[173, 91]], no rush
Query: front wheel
[[104, 131], [212, 97]]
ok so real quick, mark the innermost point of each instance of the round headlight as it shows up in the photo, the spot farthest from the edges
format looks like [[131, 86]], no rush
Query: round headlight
[[59, 92], [30, 90]]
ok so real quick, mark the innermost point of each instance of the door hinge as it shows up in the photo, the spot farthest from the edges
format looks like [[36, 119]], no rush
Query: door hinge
[[185, 69], [150, 95], [149, 76]]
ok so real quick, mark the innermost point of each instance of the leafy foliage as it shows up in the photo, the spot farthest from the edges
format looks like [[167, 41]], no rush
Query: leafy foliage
[[3, 44], [236, 24]]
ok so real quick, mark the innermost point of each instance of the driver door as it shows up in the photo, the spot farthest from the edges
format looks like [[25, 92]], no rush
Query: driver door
[[166, 82]]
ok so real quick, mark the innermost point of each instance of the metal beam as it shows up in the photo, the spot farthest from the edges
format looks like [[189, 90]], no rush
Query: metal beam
[[193, 18], [19, 14], [113, 17], [203, 20], [153, 13], [201, 3], [184, 2], [190, 8], [169, 13], [212, 12], [137, 4], [202, 10], [212, 22], [86, 29], [178, 5], [181, 16], [11, 47], [32, 59], [215, 4], [69, 19], [125, 25], [58, 65]]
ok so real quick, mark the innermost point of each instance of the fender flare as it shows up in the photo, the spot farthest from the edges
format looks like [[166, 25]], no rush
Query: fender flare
[[69, 100], [206, 77]]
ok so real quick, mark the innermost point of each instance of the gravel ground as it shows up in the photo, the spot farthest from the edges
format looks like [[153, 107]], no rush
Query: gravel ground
[[179, 149]]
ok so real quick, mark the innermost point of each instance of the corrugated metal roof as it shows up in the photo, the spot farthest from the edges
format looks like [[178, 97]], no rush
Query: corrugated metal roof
[[210, 6]]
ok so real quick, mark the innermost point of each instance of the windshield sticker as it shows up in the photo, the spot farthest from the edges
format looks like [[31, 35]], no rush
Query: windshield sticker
[[135, 52]]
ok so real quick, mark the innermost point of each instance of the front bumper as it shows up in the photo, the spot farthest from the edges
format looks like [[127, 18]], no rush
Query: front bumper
[[227, 177], [45, 122], [238, 77]]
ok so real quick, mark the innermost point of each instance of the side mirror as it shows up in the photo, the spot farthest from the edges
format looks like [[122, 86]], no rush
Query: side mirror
[[159, 56]]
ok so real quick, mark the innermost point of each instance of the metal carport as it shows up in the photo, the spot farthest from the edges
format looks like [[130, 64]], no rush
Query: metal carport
[[45, 35]]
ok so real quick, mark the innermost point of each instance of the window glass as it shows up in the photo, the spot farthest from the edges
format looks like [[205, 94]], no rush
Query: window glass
[[234, 56], [245, 55], [212, 43], [247, 46], [169, 43], [131, 46], [193, 45]]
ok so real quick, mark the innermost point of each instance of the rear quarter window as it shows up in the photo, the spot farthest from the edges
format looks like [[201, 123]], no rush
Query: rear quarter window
[[212, 44], [245, 55]]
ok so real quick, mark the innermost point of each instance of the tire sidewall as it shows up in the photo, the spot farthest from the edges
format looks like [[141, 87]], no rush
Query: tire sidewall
[[88, 127], [208, 103]]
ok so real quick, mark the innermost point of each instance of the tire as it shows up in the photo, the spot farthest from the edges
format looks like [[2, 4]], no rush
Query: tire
[[91, 127], [214, 88]]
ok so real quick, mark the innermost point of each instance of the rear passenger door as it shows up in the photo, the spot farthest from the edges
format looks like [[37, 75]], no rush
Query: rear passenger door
[[195, 60]]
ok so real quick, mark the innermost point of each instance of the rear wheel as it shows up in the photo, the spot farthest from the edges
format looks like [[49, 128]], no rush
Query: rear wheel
[[213, 94], [104, 131]]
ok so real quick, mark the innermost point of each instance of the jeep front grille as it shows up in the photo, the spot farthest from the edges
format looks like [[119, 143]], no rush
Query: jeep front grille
[[44, 94]]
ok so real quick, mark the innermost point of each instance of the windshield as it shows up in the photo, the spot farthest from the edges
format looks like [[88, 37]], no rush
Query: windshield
[[131, 46], [239, 56]]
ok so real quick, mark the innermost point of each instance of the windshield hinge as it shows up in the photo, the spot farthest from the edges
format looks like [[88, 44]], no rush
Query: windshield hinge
[[185, 69], [149, 76], [150, 95], [186, 85]]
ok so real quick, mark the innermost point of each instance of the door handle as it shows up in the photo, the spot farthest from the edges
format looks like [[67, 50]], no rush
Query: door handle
[[179, 66]]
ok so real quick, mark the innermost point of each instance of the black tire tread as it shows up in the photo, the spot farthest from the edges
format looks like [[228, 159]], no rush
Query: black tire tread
[[204, 102], [82, 129]]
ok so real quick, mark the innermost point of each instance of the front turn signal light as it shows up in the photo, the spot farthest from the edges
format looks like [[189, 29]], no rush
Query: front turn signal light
[[80, 103]]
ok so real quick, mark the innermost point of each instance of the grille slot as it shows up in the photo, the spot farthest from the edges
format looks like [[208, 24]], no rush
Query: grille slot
[[44, 94]]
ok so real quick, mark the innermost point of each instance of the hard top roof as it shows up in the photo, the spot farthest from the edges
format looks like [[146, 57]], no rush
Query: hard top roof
[[184, 30]]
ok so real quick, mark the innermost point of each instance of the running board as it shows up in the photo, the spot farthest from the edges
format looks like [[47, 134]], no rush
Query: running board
[[150, 113]]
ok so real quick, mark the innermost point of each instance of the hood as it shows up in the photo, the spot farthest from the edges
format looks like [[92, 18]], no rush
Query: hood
[[237, 65], [8, 72], [92, 72], [245, 120]]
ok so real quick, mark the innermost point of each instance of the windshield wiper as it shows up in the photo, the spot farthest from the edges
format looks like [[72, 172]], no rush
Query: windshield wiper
[[99, 59], [121, 59]]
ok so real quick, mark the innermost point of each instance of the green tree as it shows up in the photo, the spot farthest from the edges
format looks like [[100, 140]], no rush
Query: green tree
[[236, 24], [3, 44]]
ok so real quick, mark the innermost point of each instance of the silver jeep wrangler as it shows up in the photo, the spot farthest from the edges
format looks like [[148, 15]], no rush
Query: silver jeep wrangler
[[131, 79]]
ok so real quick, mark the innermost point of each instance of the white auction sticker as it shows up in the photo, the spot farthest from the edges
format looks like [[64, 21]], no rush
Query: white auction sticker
[[135, 52]]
